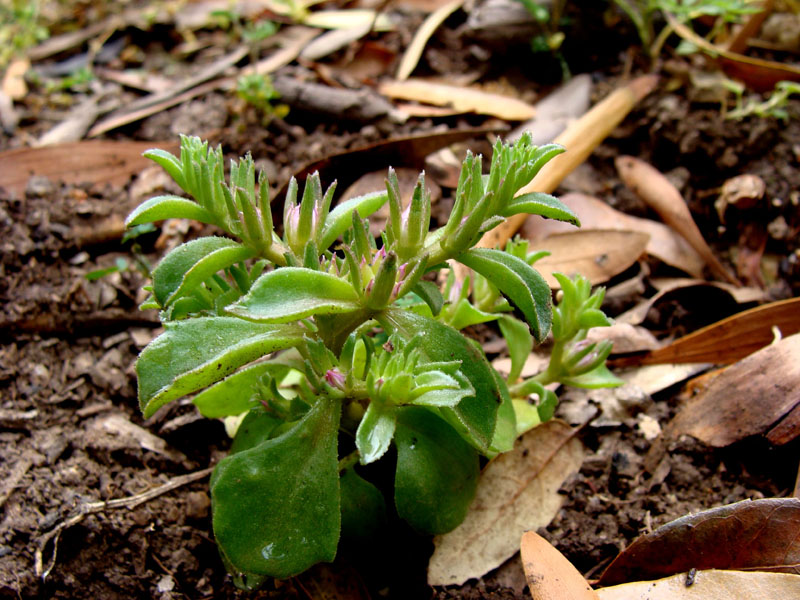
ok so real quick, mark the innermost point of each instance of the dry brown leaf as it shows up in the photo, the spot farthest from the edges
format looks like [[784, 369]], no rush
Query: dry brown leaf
[[517, 491], [761, 535], [549, 574], [460, 98], [93, 161], [626, 337], [743, 192], [746, 398], [14, 85], [349, 18], [557, 110], [596, 254], [709, 585], [665, 244], [663, 197], [414, 51], [733, 338], [668, 287]]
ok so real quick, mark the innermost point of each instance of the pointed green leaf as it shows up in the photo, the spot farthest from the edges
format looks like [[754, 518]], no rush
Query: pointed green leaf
[[464, 314], [505, 432], [375, 432], [519, 282], [599, 377], [341, 217], [475, 416], [233, 395], [293, 293], [430, 294], [437, 472], [537, 203], [519, 341], [168, 207], [169, 162], [188, 265], [194, 353], [276, 506]]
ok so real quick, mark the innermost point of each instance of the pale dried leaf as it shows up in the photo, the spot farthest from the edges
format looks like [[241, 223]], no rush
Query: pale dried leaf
[[14, 85], [598, 255], [517, 492], [557, 110], [414, 51], [663, 197], [349, 19], [746, 398], [549, 574], [460, 98], [709, 585], [664, 244]]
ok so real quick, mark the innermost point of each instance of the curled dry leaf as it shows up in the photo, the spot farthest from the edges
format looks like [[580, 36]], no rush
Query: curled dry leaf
[[708, 585], [96, 161], [596, 254], [460, 98], [414, 51], [742, 191], [517, 491], [745, 399], [723, 292], [761, 535], [659, 193], [665, 244], [549, 574], [731, 339]]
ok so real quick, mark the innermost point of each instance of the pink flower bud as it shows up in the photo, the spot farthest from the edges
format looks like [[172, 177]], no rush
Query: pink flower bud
[[335, 378]]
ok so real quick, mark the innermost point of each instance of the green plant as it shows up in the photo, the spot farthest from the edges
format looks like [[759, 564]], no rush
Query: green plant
[[257, 91], [329, 348], [643, 12], [20, 28], [774, 106]]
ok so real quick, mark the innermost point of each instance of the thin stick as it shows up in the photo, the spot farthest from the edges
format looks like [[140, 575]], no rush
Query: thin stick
[[93, 507]]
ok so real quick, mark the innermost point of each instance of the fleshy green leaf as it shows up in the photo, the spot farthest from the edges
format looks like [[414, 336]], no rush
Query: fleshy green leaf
[[293, 293], [255, 428], [519, 282], [169, 162], [168, 207], [232, 396], [475, 416], [430, 294], [192, 354], [464, 314], [188, 265], [363, 509], [437, 472], [276, 506], [519, 341], [375, 432], [593, 317], [341, 217], [599, 377], [537, 203], [505, 432]]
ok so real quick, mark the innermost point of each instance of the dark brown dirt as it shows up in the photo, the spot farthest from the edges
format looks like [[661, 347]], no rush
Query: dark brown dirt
[[71, 432]]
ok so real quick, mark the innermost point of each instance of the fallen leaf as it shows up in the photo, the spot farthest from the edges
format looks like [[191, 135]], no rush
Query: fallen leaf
[[414, 51], [93, 161], [331, 41], [74, 126], [731, 339], [557, 110], [663, 197], [667, 288], [549, 574], [596, 254], [14, 85], [656, 378], [664, 244], [349, 19], [626, 337], [460, 98], [787, 429], [517, 492], [743, 192], [746, 398], [762, 535], [709, 585], [580, 139]]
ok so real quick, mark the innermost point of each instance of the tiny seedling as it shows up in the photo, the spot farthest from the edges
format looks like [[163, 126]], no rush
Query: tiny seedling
[[332, 350]]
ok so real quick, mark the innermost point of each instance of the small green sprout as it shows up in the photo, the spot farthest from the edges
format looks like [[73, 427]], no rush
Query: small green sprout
[[331, 347]]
